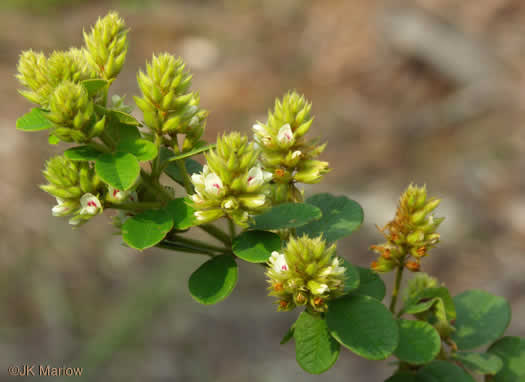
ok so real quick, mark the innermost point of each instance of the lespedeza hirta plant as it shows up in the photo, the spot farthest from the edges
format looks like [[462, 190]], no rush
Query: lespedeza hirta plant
[[116, 164]]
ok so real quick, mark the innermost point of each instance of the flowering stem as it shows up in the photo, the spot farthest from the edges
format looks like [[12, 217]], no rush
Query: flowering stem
[[217, 233], [397, 284]]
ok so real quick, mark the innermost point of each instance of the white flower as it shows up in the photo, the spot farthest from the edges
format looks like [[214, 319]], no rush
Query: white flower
[[258, 128], [278, 262], [213, 184], [326, 271], [336, 269], [197, 179], [228, 204], [90, 205], [285, 136], [61, 209]]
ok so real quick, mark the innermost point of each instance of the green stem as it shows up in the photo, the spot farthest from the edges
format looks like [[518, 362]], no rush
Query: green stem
[[133, 206], [198, 244], [165, 244], [155, 166], [397, 284], [217, 233]]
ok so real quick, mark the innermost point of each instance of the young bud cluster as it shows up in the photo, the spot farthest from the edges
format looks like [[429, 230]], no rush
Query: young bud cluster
[[42, 75], [411, 234], [307, 273], [75, 186], [168, 105], [285, 151], [72, 112], [232, 183], [107, 45]]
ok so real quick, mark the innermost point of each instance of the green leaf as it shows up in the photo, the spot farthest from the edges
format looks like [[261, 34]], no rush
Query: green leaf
[[53, 139], [94, 86], [256, 246], [142, 149], [196, 150], [172, 170], [370, 284], [315, 349], [511, 350], [181, 213], [214, 280], [289, 335], [35, 120], [481, 318], [146, 229], [483, 363], [287, 215], [341, 217], [119, 170], [419, 342], [403, 376], [352, 279], [82, 153], [363, 325], [442, 371]]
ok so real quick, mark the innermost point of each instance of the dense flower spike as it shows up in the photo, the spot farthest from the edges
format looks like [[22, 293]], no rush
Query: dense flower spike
[[74, 185], [307, 273], [232, 183], [411, 234], [107, 45], [168, 105], [73, 113], [285, 151]]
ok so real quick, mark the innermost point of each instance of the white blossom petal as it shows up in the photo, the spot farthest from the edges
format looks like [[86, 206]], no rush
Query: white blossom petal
[[285, 135]]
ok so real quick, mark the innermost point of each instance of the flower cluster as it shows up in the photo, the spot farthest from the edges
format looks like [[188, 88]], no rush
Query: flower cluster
[[307, 273], [411, 234], [232, 183], [168, 106], [75, 187], [285, 151]]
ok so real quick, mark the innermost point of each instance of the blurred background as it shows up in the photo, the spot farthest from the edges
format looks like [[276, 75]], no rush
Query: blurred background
[[424, 91]]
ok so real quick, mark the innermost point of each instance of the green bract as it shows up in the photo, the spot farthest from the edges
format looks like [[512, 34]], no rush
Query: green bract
[[252, 186]]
